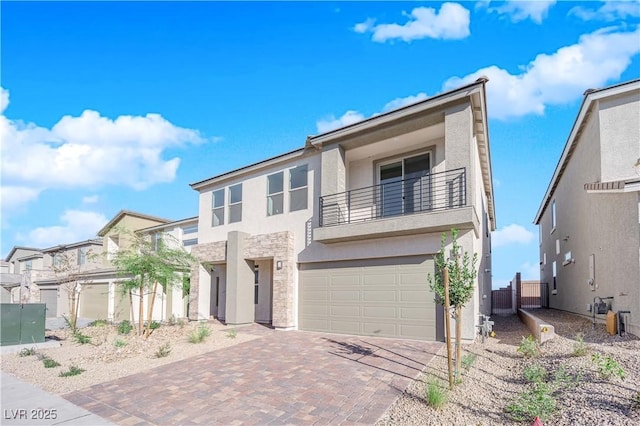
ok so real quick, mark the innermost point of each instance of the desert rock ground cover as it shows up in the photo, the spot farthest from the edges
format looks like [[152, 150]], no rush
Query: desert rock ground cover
[[495, 379]]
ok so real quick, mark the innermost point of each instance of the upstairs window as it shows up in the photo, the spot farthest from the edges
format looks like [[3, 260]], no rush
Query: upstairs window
[[156, 241], [218, 208], [82, 255], [298, 188], [190, 229], [553, 215], [28, 265], [57, 260], [275, 195], [235, 203]]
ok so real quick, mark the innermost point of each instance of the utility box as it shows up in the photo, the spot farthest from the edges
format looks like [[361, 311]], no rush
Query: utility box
[[22, 324], [612, 323]]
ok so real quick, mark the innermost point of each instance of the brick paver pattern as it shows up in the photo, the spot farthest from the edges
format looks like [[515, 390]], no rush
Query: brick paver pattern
[[294, 377]]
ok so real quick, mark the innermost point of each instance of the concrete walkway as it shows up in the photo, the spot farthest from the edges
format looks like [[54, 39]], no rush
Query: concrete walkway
[[282, 378], [24, 404]]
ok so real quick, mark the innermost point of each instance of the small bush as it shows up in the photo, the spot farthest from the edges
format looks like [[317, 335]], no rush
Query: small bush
[[125, 327], [27, 352], [435, 394], [562, 379], [163, 351], [73, 371], [99, 323], [119, 343], [608, 367], [198, 335], [468, 360], [81, 338], [232, 334], [579, 348], [50, 363], [533, 402], [535, 373], [529, 347], [155, 325]]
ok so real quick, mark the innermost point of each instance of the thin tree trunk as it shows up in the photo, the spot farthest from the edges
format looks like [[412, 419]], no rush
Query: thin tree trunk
[[447, 320], [141, 310], [150, 310], [76, 304], [133, 312], [458, 339]]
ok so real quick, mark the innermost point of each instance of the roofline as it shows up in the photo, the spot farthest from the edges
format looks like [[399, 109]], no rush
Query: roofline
[[246, 169], [15, 248], [30, 256], [121, 213], [589, 97], [175, 223], [72, 245], [416, 107]]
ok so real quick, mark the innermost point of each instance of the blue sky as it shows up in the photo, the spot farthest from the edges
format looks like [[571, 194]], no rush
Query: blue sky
[[119, 105]]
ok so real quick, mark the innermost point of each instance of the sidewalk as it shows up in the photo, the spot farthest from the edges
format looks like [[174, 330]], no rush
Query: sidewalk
[[24, 404]]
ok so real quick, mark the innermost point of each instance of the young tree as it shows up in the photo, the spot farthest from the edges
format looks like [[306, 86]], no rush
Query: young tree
[[462, 273], [146, 264], [68, 275]]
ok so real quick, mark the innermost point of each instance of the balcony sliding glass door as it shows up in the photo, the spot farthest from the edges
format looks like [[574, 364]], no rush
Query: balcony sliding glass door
[[404, 186]]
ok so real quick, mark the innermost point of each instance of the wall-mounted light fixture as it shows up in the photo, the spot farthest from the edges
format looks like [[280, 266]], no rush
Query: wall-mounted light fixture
[[279, 264]]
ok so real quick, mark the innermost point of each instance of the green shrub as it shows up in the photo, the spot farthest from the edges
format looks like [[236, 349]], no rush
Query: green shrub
[[81, 338], [125, 327], [562, 379], [435, 394], [232, 334], [535, 373], [50, 363], [608, 367], [468, 360], [155, 325], [579, 348], [119, 343], [533, 402], [529, 347], [73, 371], [198, 335], [27, 352], [99, 323], [163, 351]]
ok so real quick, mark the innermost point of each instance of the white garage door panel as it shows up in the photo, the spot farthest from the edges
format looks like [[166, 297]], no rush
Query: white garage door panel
[[386, 297], [50, 298], [94, 301]]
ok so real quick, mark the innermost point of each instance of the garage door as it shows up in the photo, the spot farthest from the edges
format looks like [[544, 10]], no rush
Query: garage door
[[94, 301], [50, 298], [381, 297]]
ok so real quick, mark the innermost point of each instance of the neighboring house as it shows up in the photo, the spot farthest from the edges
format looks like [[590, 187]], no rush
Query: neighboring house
[[23, 265], [589, 217], [340, 235]]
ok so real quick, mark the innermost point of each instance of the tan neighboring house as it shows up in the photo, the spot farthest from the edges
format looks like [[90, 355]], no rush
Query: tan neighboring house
[[589, 218], [22, 265], [340, 235]]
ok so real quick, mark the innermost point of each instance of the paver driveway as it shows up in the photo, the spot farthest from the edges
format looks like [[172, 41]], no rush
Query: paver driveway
[[281, 378]]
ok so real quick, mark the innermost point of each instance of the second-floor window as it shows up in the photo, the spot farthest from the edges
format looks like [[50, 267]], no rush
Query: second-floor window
[[275, 195], [553, 215], [235, 203], [57, 260], [82, 255], [298, 188], [156, 241], [218, 208], [28, 265]]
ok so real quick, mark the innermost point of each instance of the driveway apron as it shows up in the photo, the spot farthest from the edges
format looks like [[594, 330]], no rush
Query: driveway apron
[[290, 377]]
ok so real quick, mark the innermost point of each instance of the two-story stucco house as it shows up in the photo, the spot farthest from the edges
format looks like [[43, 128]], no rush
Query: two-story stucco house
[[340, 235], [16, 279], [589, 217]]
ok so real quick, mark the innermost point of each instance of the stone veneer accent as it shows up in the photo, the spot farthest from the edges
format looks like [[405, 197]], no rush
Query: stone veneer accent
[[278, 246]]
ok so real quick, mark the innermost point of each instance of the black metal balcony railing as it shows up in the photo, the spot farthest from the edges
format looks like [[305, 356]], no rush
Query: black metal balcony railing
[[435, 191]]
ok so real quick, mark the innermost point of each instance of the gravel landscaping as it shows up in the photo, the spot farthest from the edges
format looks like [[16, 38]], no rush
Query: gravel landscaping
[[110, 355], [495, 379]]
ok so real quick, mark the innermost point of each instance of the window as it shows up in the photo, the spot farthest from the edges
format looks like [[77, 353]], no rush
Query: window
[[298, 188], [190, 229], [82, 255], [555, 271], [544, 258], [553, 215], [190, 242], [156, 241], [567, 258], [57, 260], [256, 280], [275, 198], [235, 203], [557, 246], [28, 265], [218, 208], [405, 186]]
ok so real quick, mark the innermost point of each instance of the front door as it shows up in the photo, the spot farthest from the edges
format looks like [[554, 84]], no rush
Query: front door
[[404, 185], [262, 290]]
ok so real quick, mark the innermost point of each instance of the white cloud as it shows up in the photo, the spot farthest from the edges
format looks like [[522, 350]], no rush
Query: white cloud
[[90, 199], [608, 11], [90, 151], [558, 78], [511, 234], [530, 271], [76, 225], [331, 122], [450, 22], [4, 99], [519, 10], [15, 197], [400, 102]]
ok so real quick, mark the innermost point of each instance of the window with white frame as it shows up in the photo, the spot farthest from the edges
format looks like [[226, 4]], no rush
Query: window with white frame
[[156, 241], [553, 215], [275, 194], [567, 258], [557, 246], [217, 208], [28, 265], [555, 272], [190, 242], [82, 255], [191, 229], [298, 188], [235, 203], [544, 258], [57, 260]]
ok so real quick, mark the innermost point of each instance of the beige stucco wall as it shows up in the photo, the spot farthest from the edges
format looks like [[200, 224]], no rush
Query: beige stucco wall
[[603, 224]]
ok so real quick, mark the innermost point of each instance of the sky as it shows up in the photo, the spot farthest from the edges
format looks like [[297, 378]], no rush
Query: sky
[[120, 105]]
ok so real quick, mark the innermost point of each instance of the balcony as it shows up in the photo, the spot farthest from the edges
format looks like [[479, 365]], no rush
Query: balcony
[[431, 203]]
